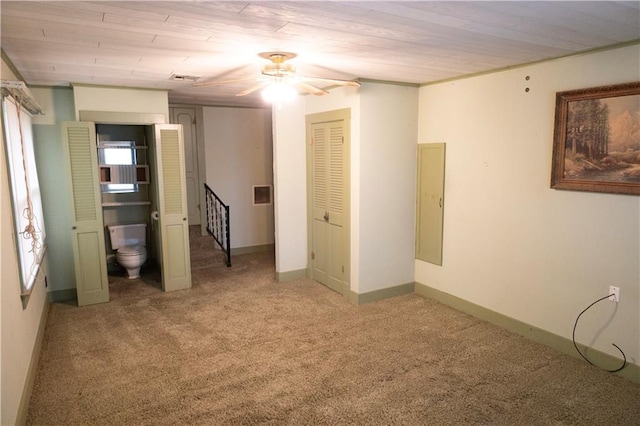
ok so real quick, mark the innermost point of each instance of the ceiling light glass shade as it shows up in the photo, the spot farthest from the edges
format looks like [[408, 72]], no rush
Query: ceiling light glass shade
[[279, 92]]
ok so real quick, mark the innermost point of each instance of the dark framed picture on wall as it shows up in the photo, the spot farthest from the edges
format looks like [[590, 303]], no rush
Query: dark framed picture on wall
[[596, 142]]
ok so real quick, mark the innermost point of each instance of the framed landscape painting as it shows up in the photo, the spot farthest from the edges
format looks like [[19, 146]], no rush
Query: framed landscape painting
[[596, 142]]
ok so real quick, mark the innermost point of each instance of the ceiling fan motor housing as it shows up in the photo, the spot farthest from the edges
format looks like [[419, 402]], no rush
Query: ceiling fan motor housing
[[278, 66]]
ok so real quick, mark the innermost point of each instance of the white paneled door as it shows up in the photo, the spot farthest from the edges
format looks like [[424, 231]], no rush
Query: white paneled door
[[187, 118]]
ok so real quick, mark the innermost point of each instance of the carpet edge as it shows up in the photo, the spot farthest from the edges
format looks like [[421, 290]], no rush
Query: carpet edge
[[631, 372]]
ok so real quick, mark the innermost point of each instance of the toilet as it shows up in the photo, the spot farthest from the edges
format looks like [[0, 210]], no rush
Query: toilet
[[129, 241]]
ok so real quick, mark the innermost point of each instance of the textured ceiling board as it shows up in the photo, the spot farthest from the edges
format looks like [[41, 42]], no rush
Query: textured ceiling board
[[142, 43]]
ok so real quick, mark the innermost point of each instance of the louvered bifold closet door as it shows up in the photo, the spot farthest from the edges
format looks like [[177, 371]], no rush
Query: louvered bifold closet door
[[172, 207], [319, 163], [337, 179], [87, 227], [329, 177]]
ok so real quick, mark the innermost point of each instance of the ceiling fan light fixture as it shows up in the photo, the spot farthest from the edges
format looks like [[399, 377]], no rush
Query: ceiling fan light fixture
[[279, 92], [279, 82]]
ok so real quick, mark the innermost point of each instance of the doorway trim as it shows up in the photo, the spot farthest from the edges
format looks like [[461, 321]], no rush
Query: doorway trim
[[202, 172], [121, 118]]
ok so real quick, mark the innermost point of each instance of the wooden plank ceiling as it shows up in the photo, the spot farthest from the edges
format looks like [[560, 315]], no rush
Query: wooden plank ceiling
[[143, 43]]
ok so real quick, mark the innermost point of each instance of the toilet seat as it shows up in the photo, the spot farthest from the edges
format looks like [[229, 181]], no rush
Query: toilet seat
[[132, 251]]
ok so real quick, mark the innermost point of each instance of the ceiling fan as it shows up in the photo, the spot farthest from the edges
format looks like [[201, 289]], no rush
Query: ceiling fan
[[280, 75]]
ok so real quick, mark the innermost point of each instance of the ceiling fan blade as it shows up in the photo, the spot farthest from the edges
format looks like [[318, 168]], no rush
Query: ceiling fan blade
[[220, 82], [308, 88], [351, 83], [253, 88]]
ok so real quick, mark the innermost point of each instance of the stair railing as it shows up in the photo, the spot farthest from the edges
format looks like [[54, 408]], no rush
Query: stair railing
[[218, 222]]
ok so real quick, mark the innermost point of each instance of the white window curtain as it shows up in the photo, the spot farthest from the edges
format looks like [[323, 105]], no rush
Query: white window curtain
[[25, 190]]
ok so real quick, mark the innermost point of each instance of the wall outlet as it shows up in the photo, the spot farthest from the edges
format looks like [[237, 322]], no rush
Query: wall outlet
[[615, 294]]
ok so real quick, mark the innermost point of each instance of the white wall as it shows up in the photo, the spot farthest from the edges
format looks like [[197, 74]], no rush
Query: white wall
[[512, 244], [290, 174], [19, 327], [49, 152], [387, 185], [239, 154], [121, 99], [290, 187], [382, 174]]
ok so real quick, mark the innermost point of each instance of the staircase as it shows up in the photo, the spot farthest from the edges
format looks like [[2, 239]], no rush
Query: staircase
[[218, 221]]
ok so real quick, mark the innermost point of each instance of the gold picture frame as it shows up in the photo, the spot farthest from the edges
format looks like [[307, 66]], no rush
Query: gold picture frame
[[596, 142]]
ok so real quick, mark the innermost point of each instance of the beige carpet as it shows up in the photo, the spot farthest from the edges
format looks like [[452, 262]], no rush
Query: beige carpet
[[240, 348]]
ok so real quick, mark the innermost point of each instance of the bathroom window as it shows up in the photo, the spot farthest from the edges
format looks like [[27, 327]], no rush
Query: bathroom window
[[122, 153], [118, 171], [25, 191]]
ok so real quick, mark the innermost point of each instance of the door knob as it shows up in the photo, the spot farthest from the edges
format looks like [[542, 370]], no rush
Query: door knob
[[326, 216]]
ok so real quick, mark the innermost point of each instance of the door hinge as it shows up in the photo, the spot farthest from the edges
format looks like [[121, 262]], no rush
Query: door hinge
[[313, 255]]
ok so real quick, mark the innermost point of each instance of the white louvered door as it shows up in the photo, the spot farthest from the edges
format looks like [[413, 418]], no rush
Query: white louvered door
[[328, 164], [171, 202], [92, 284], [320, 253]]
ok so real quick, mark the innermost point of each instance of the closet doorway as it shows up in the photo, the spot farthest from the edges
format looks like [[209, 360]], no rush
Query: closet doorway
[[328, 200], [186, 116]]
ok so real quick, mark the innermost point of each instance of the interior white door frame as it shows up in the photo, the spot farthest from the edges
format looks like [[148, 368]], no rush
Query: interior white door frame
[[187, 117]]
